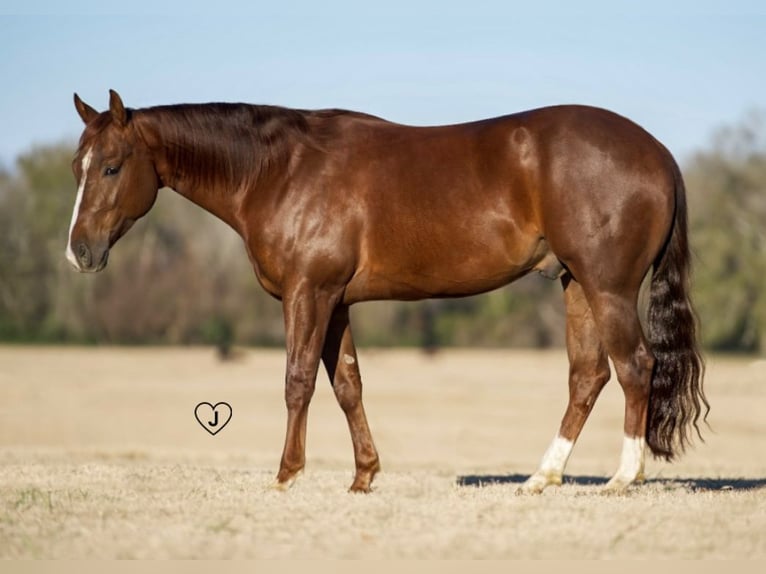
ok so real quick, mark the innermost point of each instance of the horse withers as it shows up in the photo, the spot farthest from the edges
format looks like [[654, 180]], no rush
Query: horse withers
[[338, 207]]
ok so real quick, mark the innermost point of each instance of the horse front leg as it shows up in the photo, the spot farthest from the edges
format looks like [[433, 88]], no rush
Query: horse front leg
[[342, 364], [307, 312]]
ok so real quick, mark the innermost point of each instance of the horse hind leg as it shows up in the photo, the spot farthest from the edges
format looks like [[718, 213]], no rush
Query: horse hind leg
[[617, 319], [588, 373]]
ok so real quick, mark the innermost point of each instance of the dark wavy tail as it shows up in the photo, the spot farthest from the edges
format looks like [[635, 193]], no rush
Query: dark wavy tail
[[676, 399]]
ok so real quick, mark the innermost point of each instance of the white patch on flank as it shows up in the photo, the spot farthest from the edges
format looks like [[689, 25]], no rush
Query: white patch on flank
[[557, 455], [631, 460], [348, 359], [76, 212]]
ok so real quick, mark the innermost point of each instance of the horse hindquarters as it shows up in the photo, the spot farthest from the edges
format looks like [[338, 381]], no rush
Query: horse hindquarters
[[608, 206]]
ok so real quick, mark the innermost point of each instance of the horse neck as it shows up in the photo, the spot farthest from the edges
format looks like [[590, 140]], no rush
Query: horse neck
[[203, 158]]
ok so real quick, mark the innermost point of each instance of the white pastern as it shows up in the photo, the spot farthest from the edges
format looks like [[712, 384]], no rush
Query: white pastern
[[632, 458], [76, 211], [552, 466], [556, 457], [631, 464]]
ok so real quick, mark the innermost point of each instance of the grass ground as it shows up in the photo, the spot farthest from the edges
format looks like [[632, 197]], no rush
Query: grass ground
[[101, 456]]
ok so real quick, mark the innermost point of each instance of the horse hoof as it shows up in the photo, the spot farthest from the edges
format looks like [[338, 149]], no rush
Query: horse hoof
[[616, 487], [537, 483], [280, 486], [530, 490], [286, 484], [362, 483], [360, 488]]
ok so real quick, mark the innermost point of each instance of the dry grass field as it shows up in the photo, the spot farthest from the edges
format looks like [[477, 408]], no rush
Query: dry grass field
[[101, 457]]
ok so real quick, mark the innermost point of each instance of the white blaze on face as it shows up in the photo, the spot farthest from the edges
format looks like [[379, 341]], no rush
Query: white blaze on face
[[76, 212]]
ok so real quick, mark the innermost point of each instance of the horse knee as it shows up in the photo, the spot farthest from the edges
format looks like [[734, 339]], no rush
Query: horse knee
[[299, 388]]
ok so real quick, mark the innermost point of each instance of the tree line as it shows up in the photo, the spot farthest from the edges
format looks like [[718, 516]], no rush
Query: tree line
[[182, 277]]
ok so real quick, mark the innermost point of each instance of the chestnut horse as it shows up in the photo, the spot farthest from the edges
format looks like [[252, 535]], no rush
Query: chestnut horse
[[337, 207]]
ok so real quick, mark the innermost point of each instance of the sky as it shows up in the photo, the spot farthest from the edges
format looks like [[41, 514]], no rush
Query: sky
[[681, 69]]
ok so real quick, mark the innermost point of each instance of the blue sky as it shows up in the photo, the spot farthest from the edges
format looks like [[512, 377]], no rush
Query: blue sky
[[680, 71]]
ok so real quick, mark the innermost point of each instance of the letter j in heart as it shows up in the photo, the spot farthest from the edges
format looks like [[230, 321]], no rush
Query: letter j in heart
[[213, 418]]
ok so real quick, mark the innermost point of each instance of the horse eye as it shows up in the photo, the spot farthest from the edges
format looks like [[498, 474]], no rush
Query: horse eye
[[111, 170]]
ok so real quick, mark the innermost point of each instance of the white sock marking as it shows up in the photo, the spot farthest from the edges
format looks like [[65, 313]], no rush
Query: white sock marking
[[557, 455], [631, 459], [552, 466], [76, 212]]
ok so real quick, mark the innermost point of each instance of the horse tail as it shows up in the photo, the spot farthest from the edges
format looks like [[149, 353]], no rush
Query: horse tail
[[676, 397]]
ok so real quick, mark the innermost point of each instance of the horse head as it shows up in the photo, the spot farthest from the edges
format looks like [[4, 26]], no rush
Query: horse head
[[117, 183]]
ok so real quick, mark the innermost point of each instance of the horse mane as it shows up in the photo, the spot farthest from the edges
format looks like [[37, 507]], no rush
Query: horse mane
[[223, 143]]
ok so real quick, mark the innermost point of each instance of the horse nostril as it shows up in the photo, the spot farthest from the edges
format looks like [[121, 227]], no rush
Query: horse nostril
[[83, 254]]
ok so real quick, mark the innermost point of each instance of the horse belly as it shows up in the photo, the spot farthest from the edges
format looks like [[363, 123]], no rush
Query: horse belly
[[434, 261], [448, 216]]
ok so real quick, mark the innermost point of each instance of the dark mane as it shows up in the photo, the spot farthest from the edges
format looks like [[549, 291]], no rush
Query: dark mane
[[233, 144]]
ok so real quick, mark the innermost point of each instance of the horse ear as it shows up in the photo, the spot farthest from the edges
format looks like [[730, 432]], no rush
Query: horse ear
[[87, 113], [117, 109]]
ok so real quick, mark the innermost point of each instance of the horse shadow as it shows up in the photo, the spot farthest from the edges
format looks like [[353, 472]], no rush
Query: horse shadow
[[693, 484]]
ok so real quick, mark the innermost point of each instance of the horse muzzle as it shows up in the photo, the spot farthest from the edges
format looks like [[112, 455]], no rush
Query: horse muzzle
[[88, 258]]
